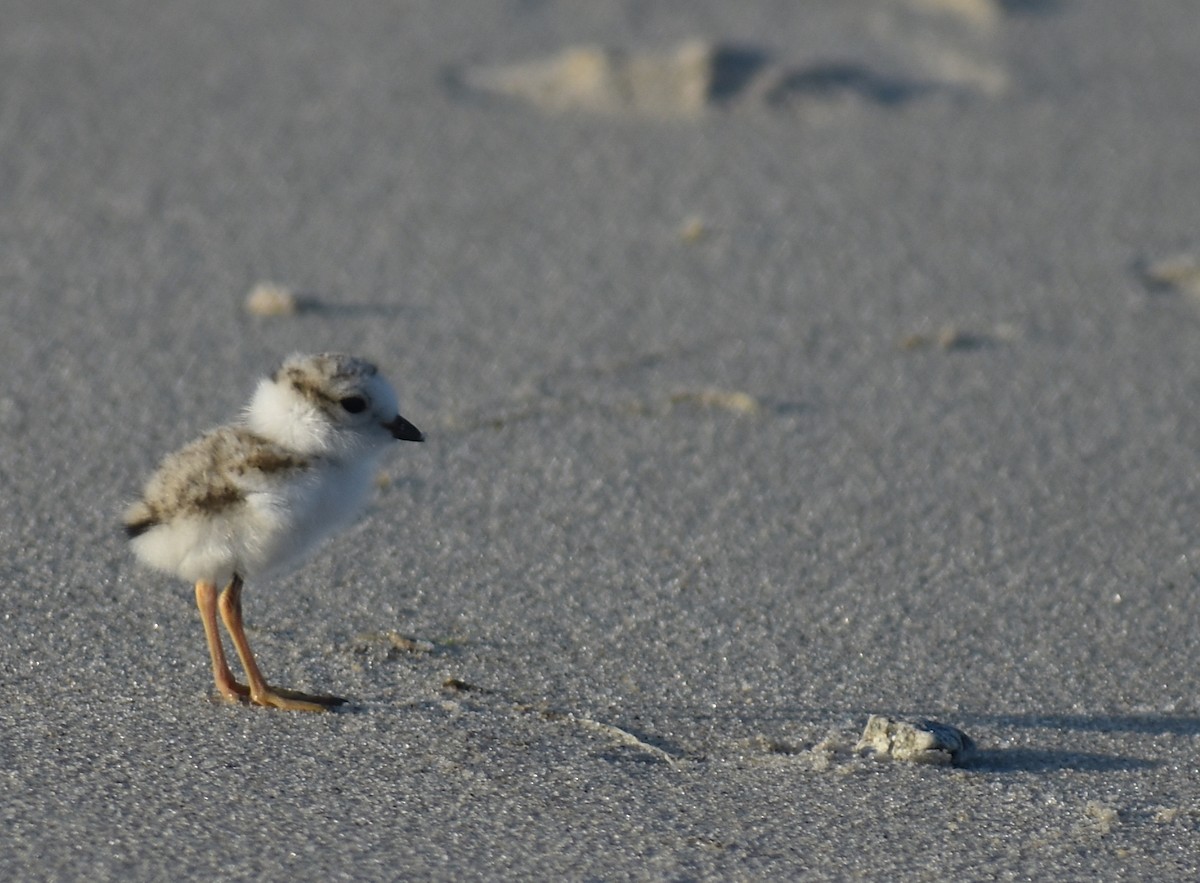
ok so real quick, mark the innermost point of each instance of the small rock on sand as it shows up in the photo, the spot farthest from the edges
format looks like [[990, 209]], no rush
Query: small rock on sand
[[921, 741], [271, 299], [1180, 273]]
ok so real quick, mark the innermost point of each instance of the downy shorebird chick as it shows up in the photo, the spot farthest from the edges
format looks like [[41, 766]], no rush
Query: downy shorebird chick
[[255, 496]]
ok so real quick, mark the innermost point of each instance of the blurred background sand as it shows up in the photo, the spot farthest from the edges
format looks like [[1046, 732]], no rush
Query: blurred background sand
[[782, 364]]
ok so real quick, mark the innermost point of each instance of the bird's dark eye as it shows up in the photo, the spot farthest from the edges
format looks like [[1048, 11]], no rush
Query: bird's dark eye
[[354, 404]]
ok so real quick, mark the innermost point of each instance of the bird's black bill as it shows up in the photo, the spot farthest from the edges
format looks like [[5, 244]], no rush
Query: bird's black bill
[[405, 431]]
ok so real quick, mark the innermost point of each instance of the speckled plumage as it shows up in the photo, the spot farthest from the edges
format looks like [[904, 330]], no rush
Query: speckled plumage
[[209, 476]]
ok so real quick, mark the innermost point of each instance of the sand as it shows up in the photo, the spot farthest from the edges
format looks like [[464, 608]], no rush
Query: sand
[[864, 383]]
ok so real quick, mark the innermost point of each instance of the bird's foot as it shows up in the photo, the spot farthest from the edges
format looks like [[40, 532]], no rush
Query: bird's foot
[[276, 697], [294, 700]]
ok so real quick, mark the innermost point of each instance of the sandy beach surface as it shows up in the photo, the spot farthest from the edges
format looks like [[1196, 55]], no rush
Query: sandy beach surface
[[782, 364]]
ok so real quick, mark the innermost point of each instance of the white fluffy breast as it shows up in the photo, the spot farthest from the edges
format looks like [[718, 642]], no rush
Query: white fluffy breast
[[305, 514]]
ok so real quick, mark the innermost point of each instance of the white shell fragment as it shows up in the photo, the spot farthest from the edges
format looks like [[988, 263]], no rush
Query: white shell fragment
[[922, 741]]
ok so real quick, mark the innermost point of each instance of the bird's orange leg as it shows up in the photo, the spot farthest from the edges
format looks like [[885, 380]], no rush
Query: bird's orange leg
[[230, 604], [206, 600]]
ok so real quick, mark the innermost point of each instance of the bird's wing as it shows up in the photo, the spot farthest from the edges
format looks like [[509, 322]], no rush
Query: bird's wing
[[210, 475]]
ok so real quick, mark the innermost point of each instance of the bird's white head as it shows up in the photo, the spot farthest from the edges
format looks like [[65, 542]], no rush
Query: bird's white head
[[330, 405]]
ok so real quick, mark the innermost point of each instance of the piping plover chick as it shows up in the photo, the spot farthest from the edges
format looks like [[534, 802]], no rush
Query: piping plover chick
[[254, 496]]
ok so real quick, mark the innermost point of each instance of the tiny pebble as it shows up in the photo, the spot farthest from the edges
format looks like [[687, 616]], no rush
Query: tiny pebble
[[270, 299]]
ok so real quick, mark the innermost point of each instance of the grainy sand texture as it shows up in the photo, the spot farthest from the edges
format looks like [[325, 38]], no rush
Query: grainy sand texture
[[782, 364]]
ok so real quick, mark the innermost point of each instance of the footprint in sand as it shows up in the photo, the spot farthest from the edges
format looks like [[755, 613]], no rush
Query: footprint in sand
[[945, 48]]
